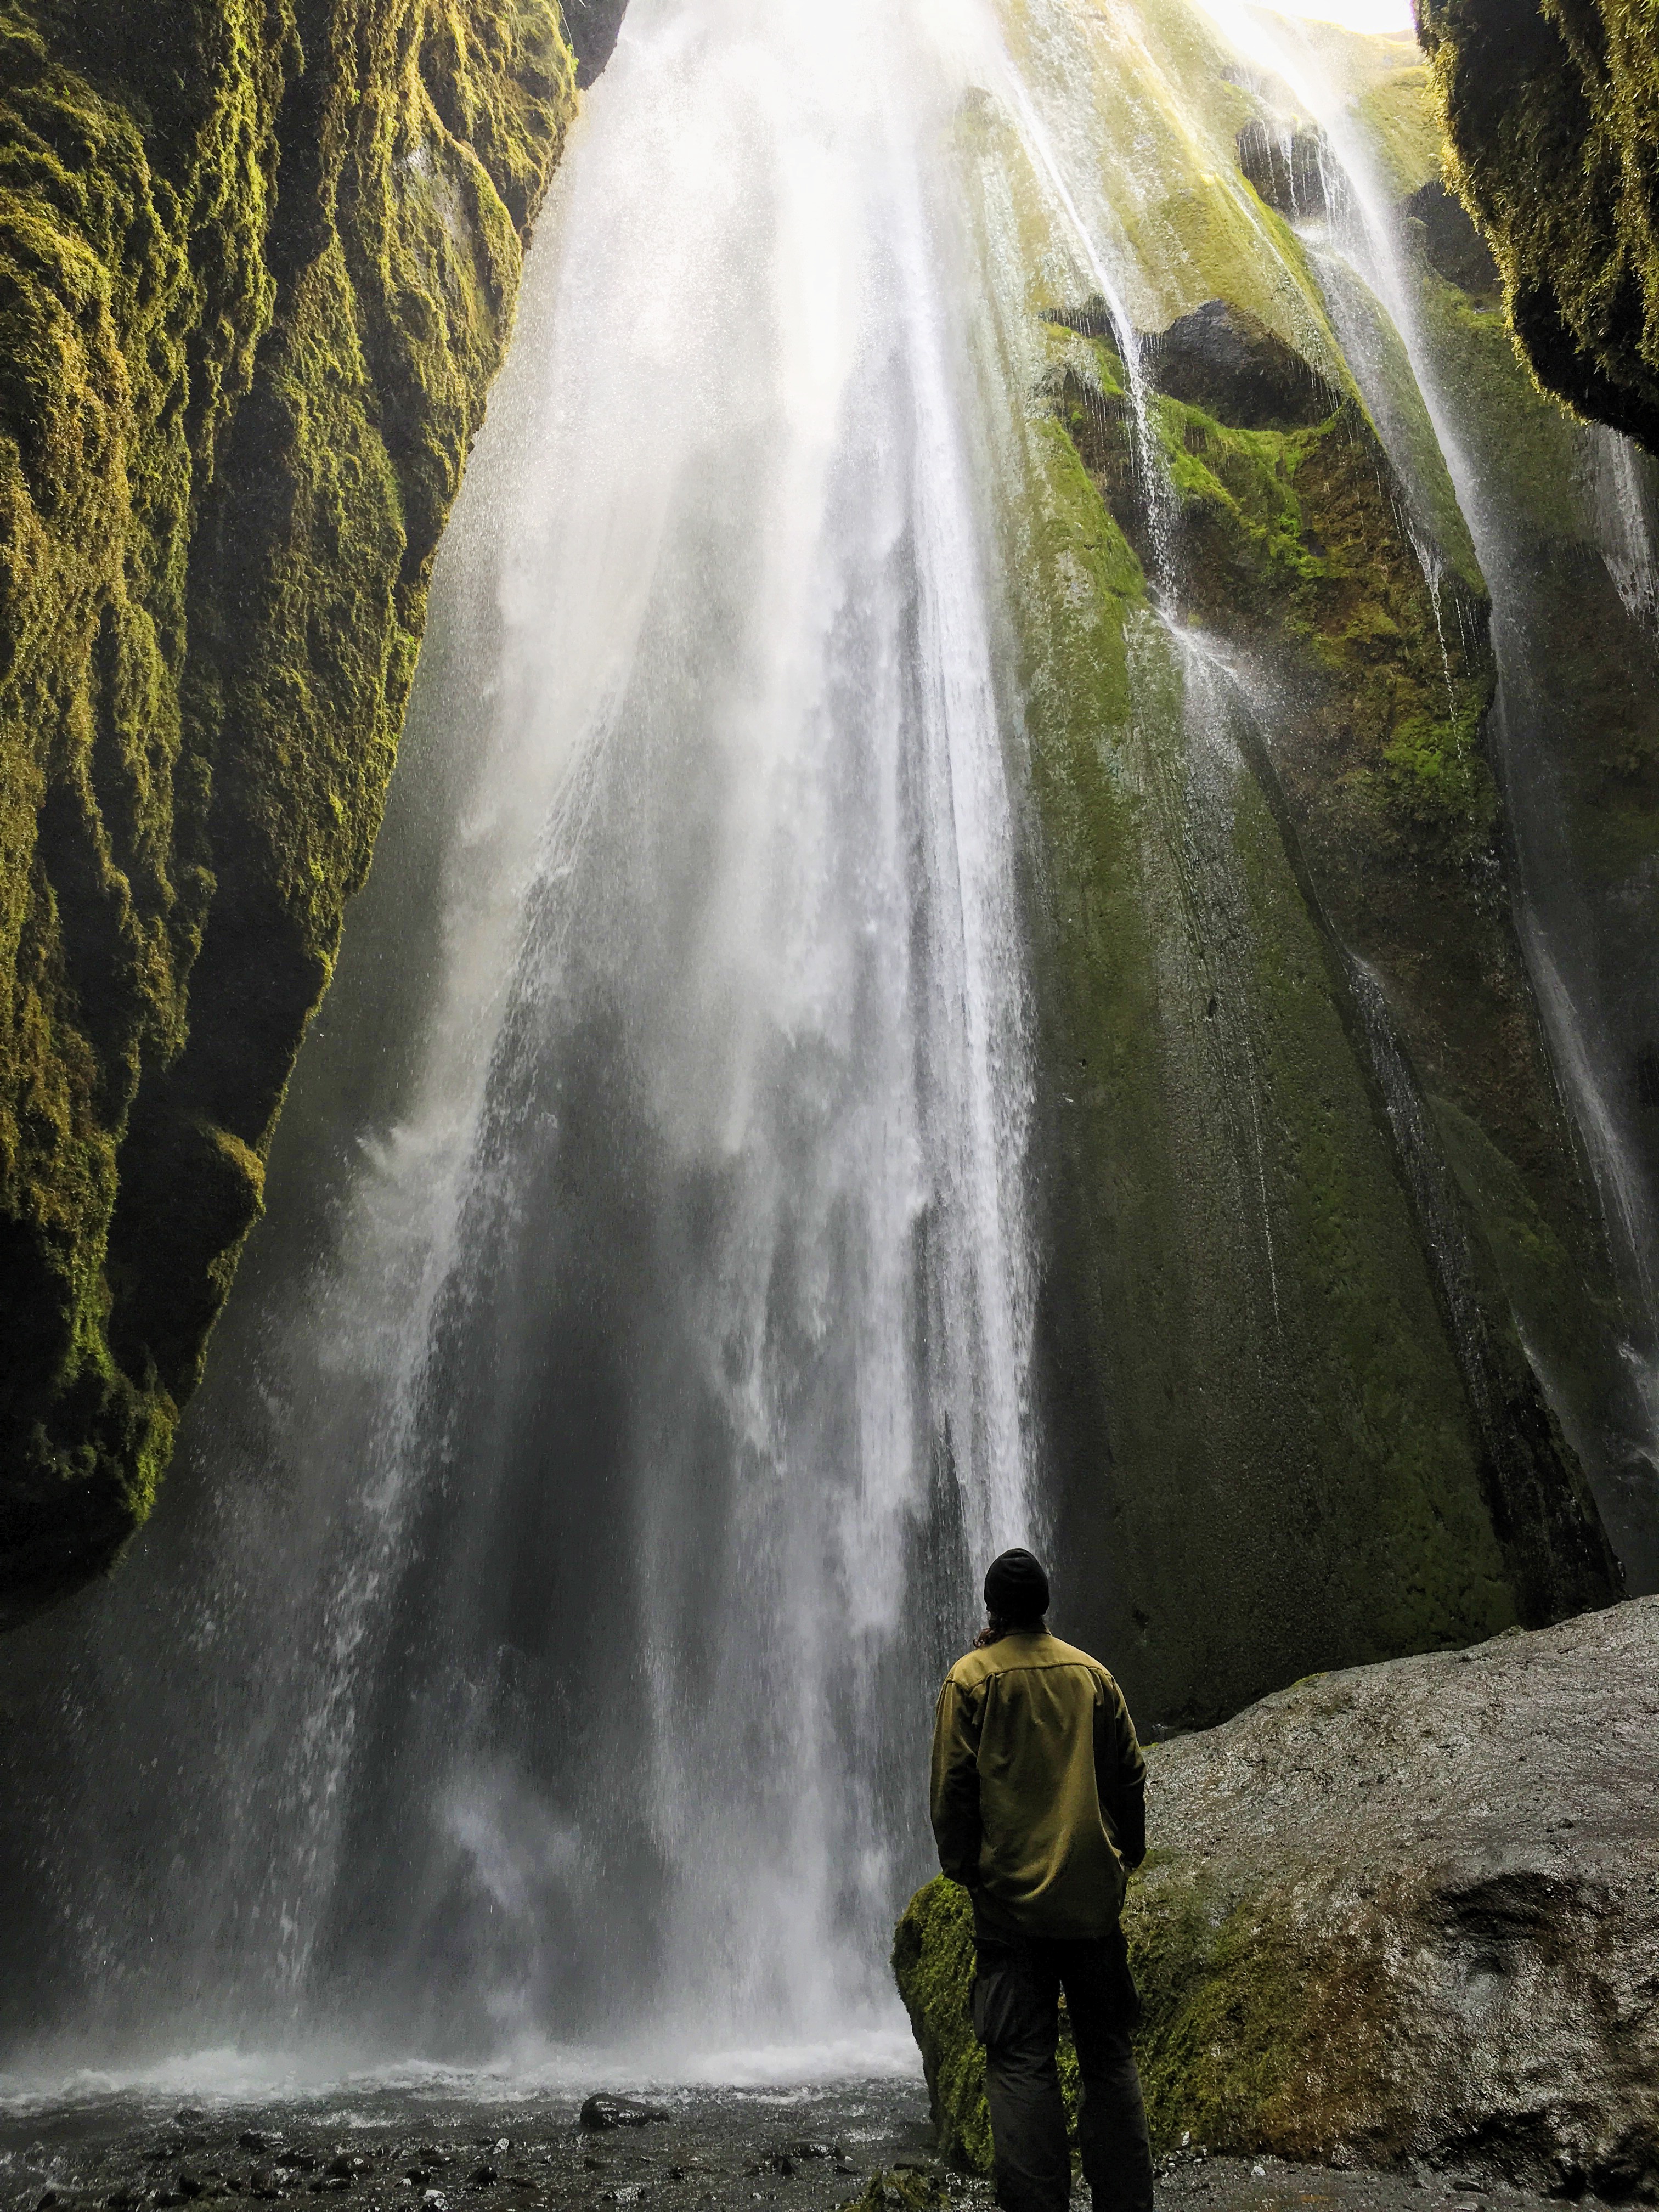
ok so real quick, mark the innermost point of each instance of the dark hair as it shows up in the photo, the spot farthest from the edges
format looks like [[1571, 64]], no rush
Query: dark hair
[[996, 1628]]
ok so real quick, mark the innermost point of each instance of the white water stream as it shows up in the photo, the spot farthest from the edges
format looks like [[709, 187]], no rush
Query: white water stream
[[630, 1455], [698, 1263]]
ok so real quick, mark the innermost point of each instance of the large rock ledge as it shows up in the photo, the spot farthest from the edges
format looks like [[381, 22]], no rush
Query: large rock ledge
[[1407, 1912]]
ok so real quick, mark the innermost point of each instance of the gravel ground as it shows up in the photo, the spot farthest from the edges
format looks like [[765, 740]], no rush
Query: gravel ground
[[734, 2150]]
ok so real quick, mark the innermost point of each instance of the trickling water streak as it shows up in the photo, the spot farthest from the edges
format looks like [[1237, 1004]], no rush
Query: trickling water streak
[[1149, 470], [1624, 499]]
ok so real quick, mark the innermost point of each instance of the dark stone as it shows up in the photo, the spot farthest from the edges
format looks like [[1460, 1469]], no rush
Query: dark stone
[[1093, 319], [252, 2139], [484, 2176], [1226, 360], [1288, 173], [1451, 244], [602, 2111]]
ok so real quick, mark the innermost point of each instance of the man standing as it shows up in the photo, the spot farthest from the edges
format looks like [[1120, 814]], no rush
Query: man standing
[[1039, 1810]]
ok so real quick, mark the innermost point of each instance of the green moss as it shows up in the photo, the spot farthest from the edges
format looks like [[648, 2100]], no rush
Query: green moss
[[1403, 129], [934, 1967], [1223, 2009], [1234, 2042], [1549, 115], [230, 427], [903, 2190]]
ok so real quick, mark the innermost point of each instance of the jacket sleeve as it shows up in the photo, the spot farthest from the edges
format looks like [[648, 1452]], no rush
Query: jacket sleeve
[[955, 1793], [1120, 1774]]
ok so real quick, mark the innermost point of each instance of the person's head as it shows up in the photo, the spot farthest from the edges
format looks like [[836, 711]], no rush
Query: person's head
[[1016, 1595]]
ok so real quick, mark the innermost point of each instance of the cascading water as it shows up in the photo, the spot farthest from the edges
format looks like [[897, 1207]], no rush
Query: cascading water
[[633, 1445], [535, 1643]]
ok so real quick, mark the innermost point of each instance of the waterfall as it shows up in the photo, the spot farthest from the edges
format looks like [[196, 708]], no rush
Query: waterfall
[[674, 1230], [628, 1458]]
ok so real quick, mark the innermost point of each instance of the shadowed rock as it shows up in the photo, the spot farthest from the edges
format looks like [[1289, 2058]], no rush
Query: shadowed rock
[[1452, 246], [1288, 169], [1225, 359]]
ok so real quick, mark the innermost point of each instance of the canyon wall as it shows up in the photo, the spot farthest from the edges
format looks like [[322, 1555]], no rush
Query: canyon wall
[[1329, 1323], [259, 267]]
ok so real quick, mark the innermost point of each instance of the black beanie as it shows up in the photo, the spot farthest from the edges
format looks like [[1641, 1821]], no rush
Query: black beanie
[[1016, 1587]]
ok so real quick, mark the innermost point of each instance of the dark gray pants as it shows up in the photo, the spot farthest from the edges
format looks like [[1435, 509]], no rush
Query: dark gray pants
[[1016, 2017]]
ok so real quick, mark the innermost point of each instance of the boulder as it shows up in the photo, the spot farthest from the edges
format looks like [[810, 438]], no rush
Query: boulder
[[1403, 1912], [1225, 359]]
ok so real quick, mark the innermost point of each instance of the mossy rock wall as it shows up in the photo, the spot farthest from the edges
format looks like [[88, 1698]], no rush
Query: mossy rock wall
[[1550, 110], [1317, 1246], [258, 264], [1565, 514], [1273, 928]]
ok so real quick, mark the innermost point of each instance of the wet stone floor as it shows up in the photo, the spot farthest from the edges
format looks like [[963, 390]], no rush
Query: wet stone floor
[[701, 2150]]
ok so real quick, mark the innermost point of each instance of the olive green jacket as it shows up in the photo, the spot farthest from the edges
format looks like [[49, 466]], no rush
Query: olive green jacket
[[1038, 1786]]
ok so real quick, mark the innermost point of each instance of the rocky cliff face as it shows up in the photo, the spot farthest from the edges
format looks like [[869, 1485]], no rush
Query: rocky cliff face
[[1403, 1912], [1325, 1278], [1549, 111], [259, 265]]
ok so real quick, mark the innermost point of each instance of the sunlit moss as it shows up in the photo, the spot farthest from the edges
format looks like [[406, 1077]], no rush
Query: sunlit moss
[[231, 423], [1548, 110]]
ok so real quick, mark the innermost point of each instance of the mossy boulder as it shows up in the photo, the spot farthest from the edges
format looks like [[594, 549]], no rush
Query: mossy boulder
[[1549, 108], [259, 265], [1403, 1911]]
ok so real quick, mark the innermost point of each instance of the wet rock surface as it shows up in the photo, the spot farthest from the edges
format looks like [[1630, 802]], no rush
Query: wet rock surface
[[1225, 359], [1397, 1913], [601, 2112], [859, 2144]]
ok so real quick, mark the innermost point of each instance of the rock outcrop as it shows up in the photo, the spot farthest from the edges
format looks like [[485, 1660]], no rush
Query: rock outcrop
[[1329, 1330], [258, 264], [1549, 109], [1408, 1911], [1293, 888]]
